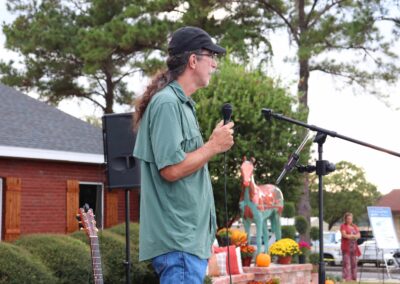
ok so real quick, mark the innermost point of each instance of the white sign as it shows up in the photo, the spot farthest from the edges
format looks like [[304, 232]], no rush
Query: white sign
[[381, 221]]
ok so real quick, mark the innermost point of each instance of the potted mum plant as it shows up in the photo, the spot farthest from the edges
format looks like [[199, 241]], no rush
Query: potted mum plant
[[224, 237], [305, 251], [247, 253], [284, 249]]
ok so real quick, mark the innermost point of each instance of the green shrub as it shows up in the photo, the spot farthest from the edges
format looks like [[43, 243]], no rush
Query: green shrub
[[288, 210], [314, 258], [207, 280], [18, 266], [288, 232], [143, 272], [301, 224], [113, 254], [133, 231], [67, 258], [314, 233]]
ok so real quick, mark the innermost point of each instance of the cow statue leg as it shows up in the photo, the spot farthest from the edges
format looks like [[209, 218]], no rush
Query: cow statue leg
[[276, 225], [265, 234], [246, 224], [259, 228]]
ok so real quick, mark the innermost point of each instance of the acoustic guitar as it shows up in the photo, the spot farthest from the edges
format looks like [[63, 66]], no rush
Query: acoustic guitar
[[88, 223]]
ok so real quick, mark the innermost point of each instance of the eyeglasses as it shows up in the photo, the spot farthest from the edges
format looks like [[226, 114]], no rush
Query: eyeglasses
[[213, 56]]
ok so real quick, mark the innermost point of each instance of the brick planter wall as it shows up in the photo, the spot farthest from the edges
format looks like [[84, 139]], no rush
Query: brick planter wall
[[239, 279], [288, 274]]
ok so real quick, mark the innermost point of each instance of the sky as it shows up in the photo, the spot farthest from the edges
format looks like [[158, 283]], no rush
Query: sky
[[359, 116]]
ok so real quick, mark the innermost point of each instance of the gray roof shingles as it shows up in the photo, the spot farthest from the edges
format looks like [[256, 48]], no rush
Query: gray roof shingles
[[29, 123]]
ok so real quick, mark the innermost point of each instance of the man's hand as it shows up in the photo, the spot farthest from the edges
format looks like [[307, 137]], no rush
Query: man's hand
[[221, 139]]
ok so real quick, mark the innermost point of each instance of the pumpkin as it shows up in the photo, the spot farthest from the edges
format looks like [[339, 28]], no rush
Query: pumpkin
[[263, 260], [329, 281]]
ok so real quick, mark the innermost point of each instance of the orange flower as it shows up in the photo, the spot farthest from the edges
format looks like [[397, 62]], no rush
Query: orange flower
[[247, 251]]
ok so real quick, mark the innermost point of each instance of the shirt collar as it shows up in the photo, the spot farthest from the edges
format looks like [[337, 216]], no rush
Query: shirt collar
[[180, 94]]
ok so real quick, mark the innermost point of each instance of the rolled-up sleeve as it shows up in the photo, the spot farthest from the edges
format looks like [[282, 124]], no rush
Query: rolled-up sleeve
[[166, 135]]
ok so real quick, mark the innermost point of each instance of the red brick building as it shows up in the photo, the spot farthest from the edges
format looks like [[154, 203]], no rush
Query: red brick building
[[51, 164]]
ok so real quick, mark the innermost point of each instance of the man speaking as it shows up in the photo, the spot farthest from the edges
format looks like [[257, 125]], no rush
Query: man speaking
[[177, 211]]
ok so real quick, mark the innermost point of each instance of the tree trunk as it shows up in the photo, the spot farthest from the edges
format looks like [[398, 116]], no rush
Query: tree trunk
[[110, 94], [303, 206], [302, 87]]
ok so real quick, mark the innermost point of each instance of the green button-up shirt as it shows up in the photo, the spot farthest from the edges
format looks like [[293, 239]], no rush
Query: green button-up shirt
[[180, 215]]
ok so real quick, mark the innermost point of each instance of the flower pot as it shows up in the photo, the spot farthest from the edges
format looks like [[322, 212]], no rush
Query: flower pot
[[302, 259], [246, 261], [285, 259]]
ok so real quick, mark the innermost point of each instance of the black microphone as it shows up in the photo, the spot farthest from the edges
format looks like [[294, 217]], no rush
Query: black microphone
[[226, 112]]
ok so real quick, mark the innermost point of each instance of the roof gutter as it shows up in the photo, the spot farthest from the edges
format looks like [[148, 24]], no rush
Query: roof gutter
[[53, 155]]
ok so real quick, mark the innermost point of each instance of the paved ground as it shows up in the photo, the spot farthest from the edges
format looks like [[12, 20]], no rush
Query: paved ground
[[368, 274]]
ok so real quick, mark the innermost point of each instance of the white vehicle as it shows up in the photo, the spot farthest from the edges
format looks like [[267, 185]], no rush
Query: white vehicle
[[371, 254], [332, 251]]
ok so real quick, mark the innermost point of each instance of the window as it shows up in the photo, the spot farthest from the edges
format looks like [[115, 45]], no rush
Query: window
[[92, 194]]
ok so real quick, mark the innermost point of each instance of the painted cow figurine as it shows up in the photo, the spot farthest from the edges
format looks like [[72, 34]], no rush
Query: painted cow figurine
[[258, 204]]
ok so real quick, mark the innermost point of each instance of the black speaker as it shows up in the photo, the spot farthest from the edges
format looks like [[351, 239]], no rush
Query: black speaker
[[123, 171]]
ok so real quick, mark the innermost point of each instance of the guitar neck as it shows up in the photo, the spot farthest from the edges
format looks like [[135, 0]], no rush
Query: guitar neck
[[96, 260]]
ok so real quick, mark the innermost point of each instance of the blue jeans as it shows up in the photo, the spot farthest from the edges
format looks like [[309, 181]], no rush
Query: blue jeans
[[180, 268]]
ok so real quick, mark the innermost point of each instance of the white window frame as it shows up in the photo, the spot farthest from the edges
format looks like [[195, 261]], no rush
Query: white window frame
[[102, 199]]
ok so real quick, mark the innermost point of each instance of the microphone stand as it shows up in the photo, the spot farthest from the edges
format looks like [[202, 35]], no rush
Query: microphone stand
[[292, 162], [322, 168]]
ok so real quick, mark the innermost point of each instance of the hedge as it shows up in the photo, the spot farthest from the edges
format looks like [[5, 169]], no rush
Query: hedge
[[18, 266], [133, 232], [301, 224], [314, 233], [112, 250], [288, 210], [288, 232], [62, 259], [67, 258]]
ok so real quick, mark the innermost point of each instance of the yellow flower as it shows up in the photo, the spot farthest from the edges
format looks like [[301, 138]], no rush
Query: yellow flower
[[284, 247]]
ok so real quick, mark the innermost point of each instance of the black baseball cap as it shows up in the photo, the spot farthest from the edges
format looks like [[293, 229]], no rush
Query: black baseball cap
[[192, 38]]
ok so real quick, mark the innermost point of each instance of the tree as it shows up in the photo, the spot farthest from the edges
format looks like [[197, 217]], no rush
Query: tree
[[338, 37], [89, 49], [267, 142], [83, 49], [345, 190]]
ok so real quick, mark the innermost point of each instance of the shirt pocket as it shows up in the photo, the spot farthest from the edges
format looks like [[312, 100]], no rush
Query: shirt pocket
[[192, 140]]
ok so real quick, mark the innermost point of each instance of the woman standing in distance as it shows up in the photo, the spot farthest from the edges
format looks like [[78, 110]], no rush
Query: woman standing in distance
[[350, 250]]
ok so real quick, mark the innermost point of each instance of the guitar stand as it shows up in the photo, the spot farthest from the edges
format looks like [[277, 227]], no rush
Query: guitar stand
[[127, 261]]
